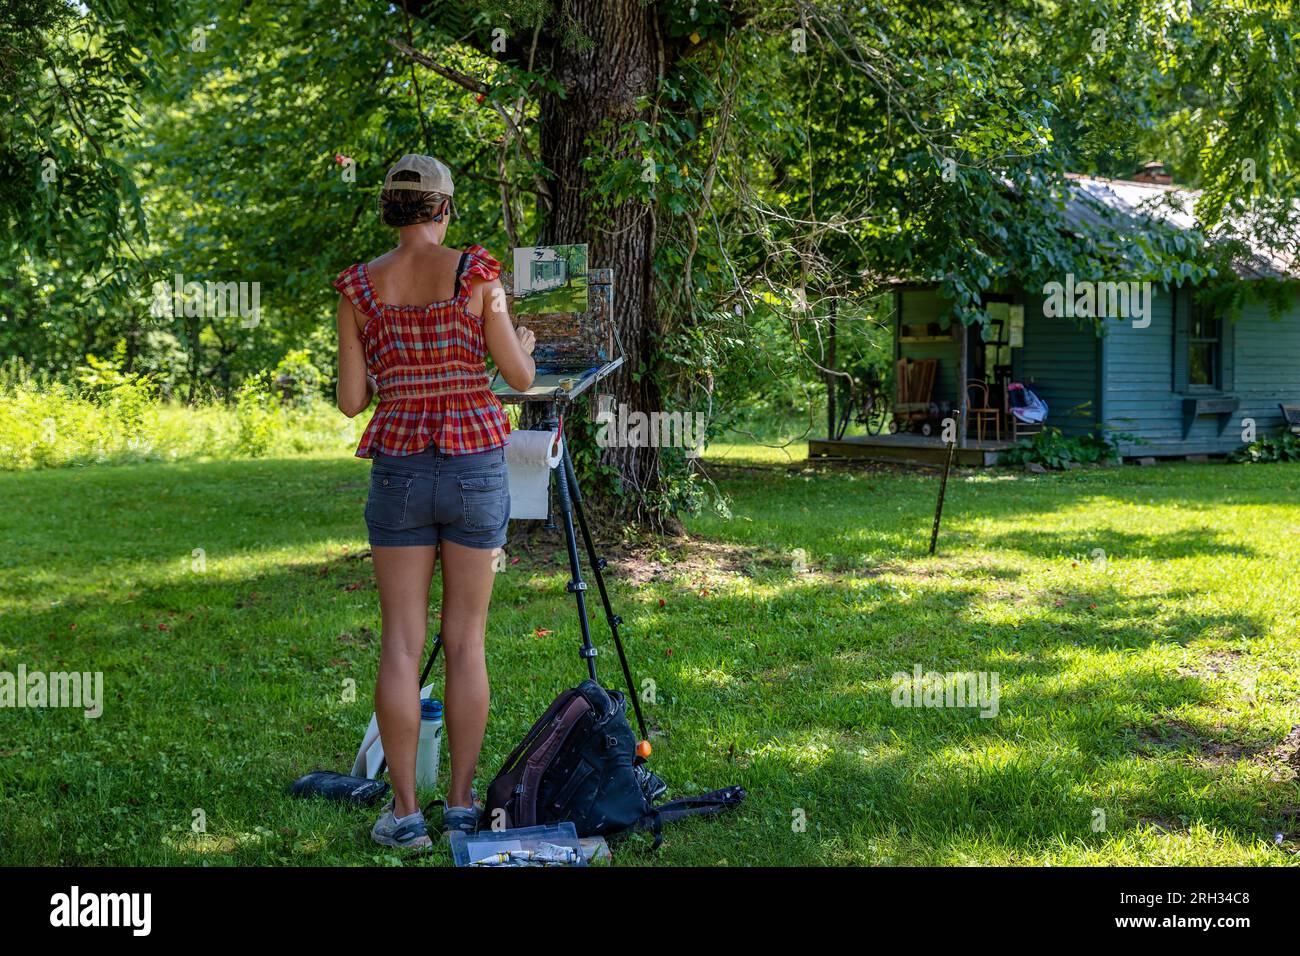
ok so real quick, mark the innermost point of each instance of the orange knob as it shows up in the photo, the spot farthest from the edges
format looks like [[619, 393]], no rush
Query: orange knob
[[643, 749]]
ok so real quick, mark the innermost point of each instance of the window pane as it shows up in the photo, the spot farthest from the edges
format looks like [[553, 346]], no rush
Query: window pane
[[1205, 324], [1201, 365]]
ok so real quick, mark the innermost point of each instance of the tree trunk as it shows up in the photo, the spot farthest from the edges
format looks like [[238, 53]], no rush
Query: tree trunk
[[132, 346], [832, 380], [195, 330], [603, 84]]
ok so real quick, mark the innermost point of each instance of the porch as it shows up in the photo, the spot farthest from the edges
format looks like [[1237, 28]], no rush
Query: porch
[[942, 370], [907, 448]]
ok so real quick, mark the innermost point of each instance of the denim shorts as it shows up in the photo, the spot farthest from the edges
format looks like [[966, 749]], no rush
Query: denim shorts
[[421, 499]]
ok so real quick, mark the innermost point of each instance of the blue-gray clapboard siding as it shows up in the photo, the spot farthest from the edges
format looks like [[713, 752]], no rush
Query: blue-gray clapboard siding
[[1138, 376], [1140, 397], [1059, 363], [1267, 366]]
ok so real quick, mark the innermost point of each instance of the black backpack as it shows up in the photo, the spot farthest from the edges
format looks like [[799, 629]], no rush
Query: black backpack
[[578, 763]]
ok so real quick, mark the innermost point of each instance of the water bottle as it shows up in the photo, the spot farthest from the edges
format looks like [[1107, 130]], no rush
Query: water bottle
[[430, 746]]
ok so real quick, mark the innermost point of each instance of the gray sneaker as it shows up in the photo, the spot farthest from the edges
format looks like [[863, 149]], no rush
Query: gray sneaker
[[410, 833], [464, 819]]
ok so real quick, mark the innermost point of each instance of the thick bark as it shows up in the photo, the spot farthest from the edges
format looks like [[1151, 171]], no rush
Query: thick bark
[[603, 84], [194, 329], [620, 62]]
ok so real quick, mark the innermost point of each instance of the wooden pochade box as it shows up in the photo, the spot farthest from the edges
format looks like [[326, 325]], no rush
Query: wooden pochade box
[[573, 340]]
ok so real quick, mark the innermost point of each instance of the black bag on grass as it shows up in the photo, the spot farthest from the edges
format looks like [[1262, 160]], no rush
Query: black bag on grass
[[578, 763], [359, 791]]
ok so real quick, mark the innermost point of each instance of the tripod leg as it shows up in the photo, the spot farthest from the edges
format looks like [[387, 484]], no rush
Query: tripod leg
[[428, 666], [576, 585], [549, 523], [943, 488], [598, 567], [433, 656]]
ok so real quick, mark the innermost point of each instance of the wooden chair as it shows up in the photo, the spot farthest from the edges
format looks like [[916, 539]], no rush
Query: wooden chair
[[978, 409], [914, 387]]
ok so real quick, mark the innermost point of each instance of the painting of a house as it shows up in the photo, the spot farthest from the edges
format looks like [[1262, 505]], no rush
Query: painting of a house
[[545, 274], [1155, 362], [550, 280]]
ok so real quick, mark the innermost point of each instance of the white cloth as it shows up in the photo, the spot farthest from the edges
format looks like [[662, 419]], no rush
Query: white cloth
[[1033, 411], [530, 456]]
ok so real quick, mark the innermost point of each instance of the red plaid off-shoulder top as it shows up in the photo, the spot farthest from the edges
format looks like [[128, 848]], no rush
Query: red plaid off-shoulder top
[[429, 363]]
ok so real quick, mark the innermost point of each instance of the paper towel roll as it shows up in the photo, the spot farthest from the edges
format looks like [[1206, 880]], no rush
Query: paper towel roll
[[530, 456]]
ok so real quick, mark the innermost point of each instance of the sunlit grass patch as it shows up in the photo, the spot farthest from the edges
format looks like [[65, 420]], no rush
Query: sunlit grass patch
[[230, 604]]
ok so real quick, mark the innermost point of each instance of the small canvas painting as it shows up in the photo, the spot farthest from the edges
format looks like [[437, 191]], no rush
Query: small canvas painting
[[568, 307], [550, 279]]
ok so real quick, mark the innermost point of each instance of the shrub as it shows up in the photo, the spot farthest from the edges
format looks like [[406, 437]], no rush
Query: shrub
[[297, 377], [129, 403], [1280, 447], [1052, 449], [256, 410], [109, 416]]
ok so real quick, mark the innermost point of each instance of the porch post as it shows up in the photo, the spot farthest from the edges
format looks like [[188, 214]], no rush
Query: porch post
[[962, 364]]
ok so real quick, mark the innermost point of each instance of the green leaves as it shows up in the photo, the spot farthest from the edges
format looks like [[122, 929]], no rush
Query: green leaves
[[1283, 446], [1055, 450], [896, 144]]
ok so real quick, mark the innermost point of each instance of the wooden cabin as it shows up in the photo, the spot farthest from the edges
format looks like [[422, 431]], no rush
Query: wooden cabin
[[1182, 380]]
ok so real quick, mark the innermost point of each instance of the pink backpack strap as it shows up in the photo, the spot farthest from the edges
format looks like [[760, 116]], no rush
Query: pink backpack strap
[[353, 284]]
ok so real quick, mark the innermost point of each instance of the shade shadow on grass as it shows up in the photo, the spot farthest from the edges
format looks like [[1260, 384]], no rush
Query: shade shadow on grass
[[775, 681]]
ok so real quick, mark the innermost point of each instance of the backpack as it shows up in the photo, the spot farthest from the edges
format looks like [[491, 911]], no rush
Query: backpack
[[578, 763]]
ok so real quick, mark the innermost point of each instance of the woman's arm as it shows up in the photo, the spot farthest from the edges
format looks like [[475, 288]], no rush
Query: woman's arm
[[511, 349], [354, 390]]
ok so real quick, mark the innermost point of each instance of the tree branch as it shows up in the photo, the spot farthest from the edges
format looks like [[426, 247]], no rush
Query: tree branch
[[464, 79], [482, 89]]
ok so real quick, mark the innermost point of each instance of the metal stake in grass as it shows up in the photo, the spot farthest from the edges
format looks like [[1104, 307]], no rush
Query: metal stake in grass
[[943, 484]]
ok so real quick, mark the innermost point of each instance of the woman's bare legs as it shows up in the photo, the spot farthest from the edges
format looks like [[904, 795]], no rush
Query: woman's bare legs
[[467, 578], [403, 576]]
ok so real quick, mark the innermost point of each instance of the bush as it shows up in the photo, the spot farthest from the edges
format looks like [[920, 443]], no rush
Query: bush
[[1280, 447], [112, 416], [256, 410], [129, 403], [1052, 449], [108, 416], [297, 378]]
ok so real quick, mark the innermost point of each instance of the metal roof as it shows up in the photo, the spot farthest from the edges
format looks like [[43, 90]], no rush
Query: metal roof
[[1092, 202], [1108, 202]]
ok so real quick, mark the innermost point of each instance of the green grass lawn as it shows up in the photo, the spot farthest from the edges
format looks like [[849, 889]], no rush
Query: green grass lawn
[[562, 298], [1142, 624]]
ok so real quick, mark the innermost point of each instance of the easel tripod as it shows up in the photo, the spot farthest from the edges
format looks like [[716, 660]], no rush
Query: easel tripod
[[569, 495]]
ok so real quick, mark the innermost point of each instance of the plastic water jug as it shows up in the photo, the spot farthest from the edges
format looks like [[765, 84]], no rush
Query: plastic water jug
[[429, 748]]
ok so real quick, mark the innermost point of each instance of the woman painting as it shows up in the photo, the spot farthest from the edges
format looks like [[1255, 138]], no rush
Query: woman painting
[[414, 326]]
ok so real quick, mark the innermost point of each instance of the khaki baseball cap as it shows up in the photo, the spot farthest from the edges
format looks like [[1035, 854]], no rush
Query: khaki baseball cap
[[434, 176]]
